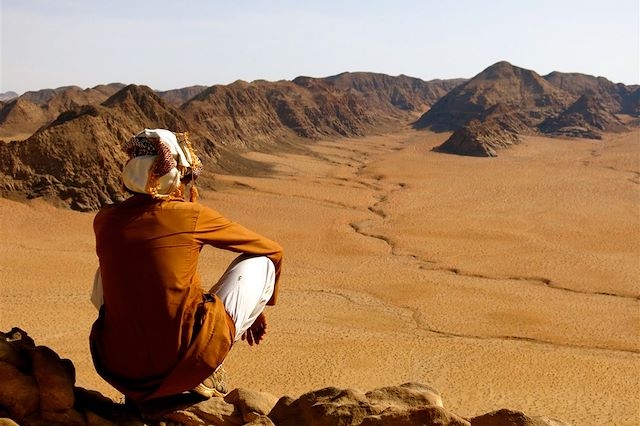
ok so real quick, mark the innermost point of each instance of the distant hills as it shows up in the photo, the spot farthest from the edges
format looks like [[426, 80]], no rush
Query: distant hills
[[73, 152], [488, 112], [23, 115], [7, 96], [64, 143]]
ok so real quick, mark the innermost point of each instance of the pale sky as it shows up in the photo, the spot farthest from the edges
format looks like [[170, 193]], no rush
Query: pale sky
[[172, 44]]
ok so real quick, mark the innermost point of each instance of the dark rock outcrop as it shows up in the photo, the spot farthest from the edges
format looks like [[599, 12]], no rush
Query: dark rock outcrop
[[38, 388], [631, 102], [585, 118], [616, 98], [479, 139]]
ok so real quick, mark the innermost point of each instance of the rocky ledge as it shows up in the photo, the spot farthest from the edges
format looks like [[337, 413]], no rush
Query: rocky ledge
[[37, 388]]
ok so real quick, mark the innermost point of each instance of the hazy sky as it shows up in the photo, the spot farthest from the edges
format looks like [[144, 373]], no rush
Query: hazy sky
[[171, 44]]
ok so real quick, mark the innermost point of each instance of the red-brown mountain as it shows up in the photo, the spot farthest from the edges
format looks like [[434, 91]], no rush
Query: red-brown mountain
[[501, 83], [72, 94], [245, 114], [23, 115], [507, 101], [616, 98], [19, 118], [313, 108], [77, 158], [179, 96], [349, 104], [479, 139], [233, 115], [42, 96], [401, 92], [585, 118]]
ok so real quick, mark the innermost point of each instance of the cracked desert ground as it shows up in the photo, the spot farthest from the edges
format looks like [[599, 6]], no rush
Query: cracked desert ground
[[502, 282]]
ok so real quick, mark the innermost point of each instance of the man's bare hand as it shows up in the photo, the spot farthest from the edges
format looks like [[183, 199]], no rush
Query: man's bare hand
[[256, 332]]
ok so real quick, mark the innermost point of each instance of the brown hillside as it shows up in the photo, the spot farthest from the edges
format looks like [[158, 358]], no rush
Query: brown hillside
[[75, 97], [77, 158], [500, 83], [179, 96], [35, 109], [314, 107], [585, 118], [19, 118], [402, 92], [479, 139], [244, 115], [234, 115], [43, 96], [616, 98], [631, 103]]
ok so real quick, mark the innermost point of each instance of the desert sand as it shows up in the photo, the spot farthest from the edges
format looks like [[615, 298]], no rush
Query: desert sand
[[502, 282]]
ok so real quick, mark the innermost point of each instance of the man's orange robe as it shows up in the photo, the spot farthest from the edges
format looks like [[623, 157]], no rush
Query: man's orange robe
[[154, 335]]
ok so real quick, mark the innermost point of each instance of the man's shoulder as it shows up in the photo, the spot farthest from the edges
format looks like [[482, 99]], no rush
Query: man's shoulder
[[137, 205], [180, 204]]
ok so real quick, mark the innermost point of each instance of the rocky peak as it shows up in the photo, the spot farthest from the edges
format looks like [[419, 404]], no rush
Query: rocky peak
[[500, 83], [139, 103], [479, 139], [587, 118], [501, 69], [45, 95], [20, 110], [132, 94], [615, 97]]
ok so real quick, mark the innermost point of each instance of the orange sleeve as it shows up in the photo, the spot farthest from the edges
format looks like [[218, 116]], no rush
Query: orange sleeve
[[214, 229]]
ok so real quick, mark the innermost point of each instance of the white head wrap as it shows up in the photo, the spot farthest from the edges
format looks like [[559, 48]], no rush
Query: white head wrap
[[158, 162]]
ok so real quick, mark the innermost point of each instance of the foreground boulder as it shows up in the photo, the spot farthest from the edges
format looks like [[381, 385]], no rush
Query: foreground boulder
[[38, 388]]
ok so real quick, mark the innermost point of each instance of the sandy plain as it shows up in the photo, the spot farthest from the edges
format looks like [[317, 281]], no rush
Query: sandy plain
[[502, 282]]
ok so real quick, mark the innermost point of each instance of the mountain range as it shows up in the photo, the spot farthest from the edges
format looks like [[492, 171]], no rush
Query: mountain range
[[63, 144], [492, 109]]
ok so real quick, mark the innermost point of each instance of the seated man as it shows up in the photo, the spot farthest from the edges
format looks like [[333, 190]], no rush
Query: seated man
[[158, 333]]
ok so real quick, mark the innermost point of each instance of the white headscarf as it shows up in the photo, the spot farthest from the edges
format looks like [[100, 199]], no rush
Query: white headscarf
[[157, 154]]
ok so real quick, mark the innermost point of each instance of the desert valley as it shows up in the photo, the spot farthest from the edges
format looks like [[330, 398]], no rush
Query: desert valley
[[481, 236]]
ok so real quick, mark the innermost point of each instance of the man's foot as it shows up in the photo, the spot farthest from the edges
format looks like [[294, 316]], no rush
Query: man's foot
[[214, 385]]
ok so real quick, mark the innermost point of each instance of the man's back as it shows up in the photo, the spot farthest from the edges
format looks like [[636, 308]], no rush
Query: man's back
[[152, 294]]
